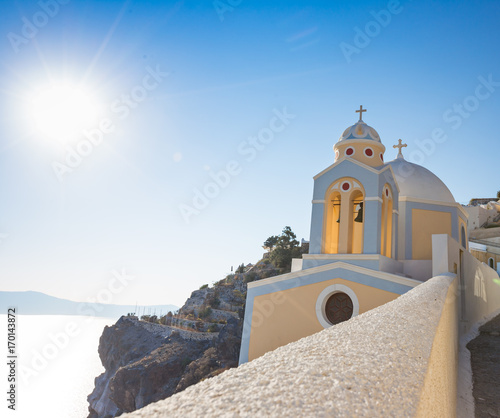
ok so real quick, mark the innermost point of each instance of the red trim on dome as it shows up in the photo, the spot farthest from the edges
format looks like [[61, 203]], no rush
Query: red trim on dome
[[369, 152], [349, 151]]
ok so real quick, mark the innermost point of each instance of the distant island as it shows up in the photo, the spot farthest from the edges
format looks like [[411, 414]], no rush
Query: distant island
[[37, 303]]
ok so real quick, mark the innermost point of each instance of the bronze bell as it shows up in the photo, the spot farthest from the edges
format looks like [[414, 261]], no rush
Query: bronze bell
[[359, 217]]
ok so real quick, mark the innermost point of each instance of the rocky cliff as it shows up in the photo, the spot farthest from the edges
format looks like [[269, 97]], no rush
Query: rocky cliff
[[147, 361]]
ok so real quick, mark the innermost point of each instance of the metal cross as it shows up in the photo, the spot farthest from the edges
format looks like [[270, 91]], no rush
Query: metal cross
[[400, 145], [360, 111]]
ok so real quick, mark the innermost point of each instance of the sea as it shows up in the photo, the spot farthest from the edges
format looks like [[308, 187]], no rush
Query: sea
[[55, 365]]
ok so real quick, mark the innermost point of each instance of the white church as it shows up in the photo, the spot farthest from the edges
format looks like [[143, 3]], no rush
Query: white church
[[371, 241]]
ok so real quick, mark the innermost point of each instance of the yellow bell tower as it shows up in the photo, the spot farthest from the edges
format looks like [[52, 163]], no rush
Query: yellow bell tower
[[362, 143]]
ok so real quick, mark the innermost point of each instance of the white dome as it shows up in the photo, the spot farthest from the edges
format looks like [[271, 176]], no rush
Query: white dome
[[360, 130], [418, 182]]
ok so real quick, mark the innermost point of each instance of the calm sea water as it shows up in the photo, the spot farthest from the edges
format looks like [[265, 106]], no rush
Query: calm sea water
[[57, 364]]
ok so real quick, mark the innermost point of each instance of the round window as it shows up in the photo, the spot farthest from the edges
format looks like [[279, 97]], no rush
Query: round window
[[338, 308], [349, 151], [369, 152]]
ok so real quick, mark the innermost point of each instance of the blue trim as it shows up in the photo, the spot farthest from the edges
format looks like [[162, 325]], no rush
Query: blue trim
[[339, 273], [373, 184], [426, 206], [292, 283], [369, 264]]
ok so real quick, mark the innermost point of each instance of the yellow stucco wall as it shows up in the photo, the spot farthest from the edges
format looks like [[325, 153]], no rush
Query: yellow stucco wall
[[439, 393], [425, 223], [282, 317], [359, 155]]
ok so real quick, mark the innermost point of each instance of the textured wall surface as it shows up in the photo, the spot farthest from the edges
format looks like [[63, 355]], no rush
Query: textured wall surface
[[439, 395], [372, 365]]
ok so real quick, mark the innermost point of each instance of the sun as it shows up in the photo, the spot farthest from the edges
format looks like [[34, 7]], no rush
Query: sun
[[63, 111]]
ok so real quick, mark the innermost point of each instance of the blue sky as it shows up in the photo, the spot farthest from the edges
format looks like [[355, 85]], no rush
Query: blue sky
[[220, 75]]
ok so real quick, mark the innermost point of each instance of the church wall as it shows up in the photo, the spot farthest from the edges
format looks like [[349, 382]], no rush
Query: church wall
[[395, 233], [372, 231], [409, 227], [296, 317], [445, 255], [282, 308], [418, 269], [371, 261], [386, 177], [315, 260], [359, 155], [401, 231], [316, 234], [368, 177], [372, 182], [425, 223], [390, 265]]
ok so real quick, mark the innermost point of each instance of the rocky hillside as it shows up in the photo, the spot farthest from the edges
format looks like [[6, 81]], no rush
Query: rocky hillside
[[146, 361]]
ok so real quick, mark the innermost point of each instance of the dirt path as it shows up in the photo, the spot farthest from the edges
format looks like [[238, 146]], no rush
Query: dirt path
[[485, 362]]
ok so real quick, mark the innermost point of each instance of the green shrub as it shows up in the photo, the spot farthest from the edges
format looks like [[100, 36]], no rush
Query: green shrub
[[205, 312], [204, 286], [251, 277], [213, 328], [213, 301], [238, 296]]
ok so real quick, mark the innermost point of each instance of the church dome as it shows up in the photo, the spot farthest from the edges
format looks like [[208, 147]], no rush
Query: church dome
[[418, 182], [360, 130]]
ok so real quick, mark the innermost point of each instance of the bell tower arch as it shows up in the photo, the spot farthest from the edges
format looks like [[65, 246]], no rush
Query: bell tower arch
[[343, 225]]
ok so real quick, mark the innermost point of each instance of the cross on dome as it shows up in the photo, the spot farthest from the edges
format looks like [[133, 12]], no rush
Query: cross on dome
[[399, 146], [360, 111]]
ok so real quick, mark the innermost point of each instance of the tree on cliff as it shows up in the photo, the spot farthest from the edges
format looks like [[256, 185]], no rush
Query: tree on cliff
[[286, 247], [270, 242]]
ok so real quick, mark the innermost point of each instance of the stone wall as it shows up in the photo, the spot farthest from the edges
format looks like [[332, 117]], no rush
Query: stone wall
[[399, 359], [385, 362]]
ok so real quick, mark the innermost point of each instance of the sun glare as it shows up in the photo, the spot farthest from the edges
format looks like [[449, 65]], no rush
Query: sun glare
[[62, 111]]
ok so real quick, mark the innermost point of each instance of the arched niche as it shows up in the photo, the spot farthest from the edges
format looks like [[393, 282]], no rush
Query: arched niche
[[386, 222], [344, 217]]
